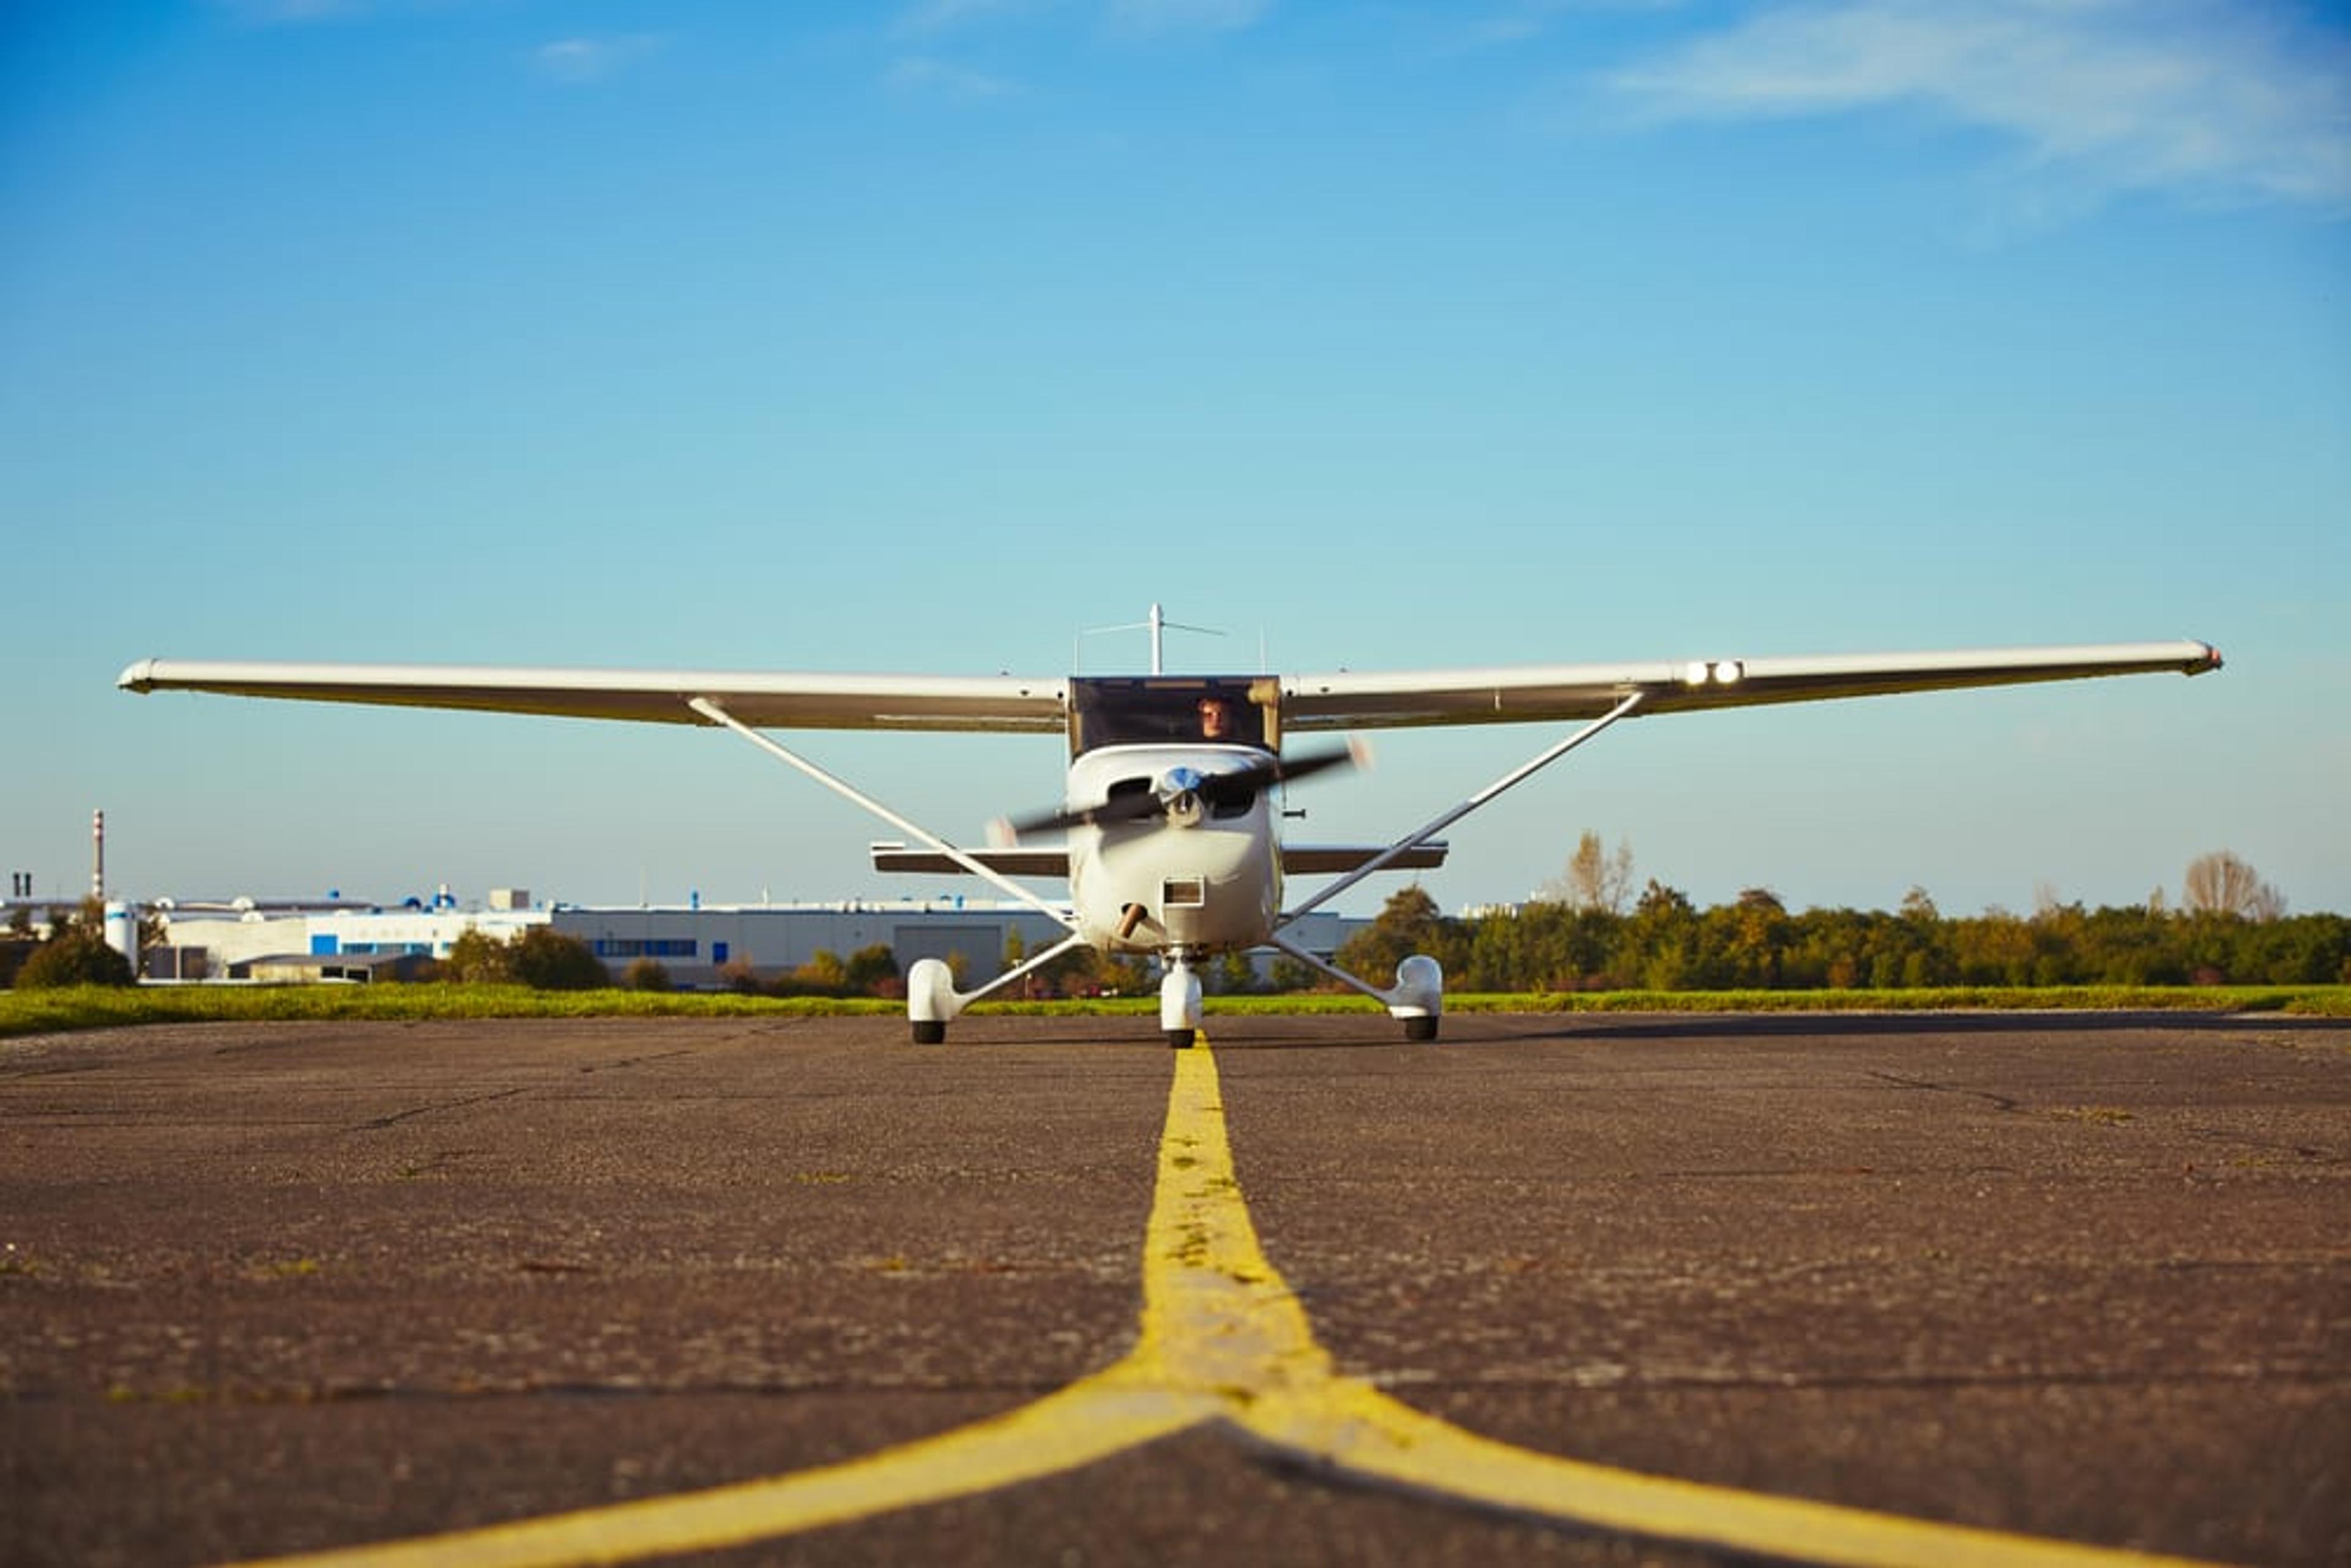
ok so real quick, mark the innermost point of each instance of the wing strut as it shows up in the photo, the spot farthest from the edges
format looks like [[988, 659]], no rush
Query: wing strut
[[1422, 835], [972, 863], [1417, 998]]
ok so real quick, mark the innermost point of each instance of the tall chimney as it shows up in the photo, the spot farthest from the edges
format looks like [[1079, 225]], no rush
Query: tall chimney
[[97, 855]]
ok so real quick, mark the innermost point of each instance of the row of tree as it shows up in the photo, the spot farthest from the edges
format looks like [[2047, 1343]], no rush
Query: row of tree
[[1666, 942], [1588, 933], [2219, 882]]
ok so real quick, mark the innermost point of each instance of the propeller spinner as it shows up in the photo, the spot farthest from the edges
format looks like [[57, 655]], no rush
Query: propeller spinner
[[1181, 793]]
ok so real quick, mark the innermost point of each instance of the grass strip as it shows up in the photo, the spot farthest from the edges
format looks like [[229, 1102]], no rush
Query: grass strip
[[27, 1012]]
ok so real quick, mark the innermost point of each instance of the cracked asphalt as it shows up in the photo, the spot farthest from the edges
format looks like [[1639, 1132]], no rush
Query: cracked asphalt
[[274, 1287]]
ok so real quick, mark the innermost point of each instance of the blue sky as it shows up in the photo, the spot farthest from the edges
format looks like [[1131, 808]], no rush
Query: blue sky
[[849, 337]]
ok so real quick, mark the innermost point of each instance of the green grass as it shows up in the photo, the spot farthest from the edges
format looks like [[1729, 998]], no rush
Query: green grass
[[96, 1007], [2330, 1001], [48, 1011]]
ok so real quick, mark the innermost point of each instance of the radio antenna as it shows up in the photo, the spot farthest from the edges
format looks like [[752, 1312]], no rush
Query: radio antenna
[[1158, 625]]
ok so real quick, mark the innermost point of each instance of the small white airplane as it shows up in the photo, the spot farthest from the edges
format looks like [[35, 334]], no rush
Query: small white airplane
[[1170, 839]]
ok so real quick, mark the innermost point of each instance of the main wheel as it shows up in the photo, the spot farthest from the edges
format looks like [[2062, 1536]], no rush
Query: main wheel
[[1179, 1039], [930, 1031], [1420, 1029]]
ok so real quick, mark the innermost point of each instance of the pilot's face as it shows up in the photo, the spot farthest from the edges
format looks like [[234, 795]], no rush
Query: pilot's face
[[1215, 719]]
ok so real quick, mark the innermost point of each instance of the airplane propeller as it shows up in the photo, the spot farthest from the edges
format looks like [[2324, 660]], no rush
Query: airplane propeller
[[1180, 785]]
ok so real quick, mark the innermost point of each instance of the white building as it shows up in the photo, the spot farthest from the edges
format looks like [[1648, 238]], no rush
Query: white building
[[693, 942]]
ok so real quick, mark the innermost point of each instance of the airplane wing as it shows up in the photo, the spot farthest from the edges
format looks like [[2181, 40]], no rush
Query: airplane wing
[[1523, 692], [763, 700], [1344, 700]]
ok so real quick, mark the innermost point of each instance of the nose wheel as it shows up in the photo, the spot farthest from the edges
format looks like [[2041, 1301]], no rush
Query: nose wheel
[[1179, 1002]]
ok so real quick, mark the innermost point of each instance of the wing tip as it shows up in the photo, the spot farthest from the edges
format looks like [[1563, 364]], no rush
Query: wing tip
[[139, 677]]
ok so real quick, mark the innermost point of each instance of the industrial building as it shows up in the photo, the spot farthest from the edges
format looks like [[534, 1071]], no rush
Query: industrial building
[[694, 942]]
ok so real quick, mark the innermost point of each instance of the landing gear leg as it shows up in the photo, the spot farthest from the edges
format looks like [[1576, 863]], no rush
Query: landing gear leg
[[932, 998], [1416, 1000], [1179, 1002]]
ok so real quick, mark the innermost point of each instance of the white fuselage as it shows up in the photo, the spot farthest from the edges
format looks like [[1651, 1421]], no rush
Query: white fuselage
[[1190, 877]]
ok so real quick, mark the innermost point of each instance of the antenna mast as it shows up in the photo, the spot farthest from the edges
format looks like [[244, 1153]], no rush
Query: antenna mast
[[1158, 625]]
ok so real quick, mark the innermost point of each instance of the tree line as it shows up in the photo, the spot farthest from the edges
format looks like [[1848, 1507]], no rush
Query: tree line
[[1589, 933]]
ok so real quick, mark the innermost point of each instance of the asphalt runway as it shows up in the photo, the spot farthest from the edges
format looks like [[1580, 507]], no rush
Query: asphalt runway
[[804, 1293]]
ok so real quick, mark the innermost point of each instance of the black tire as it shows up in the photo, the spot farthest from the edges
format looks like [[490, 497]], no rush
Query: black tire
[[1179, 1039], [930, 1031], [1420, 1029]]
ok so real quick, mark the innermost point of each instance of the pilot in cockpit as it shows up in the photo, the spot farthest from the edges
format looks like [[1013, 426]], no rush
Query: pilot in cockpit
[[1217, 719]]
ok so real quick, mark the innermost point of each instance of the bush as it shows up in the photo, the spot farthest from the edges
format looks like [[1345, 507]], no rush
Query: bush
[[545, 959], [74, 957], [871, 968], [542, 957], [645, 974], [477, 958]]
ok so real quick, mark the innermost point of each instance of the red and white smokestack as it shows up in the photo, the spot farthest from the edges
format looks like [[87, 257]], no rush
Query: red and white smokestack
[[97, 855]]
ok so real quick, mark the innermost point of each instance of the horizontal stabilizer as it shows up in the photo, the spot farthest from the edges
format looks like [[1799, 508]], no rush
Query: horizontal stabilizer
[[1298, 860], [1331, 859], [1009, 862]]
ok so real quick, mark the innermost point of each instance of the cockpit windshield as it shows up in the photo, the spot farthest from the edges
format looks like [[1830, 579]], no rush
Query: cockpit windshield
[[1130, 710]]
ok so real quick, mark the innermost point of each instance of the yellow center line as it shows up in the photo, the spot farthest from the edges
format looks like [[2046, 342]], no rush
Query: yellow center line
[[1224, 1340], [1218, 1304]]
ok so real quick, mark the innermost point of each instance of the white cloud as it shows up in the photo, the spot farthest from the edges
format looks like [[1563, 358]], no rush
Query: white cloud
[[2211, 98], [931, 17], [1513, 20], [286, 13], [942, 15], [1187, 16], [923, 74], [592, 59]]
